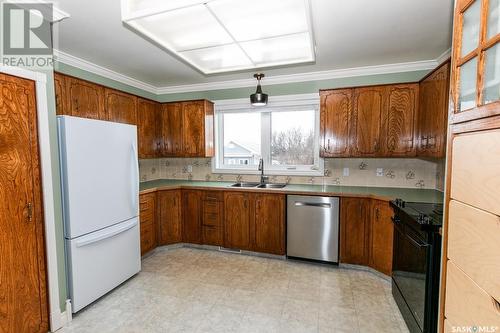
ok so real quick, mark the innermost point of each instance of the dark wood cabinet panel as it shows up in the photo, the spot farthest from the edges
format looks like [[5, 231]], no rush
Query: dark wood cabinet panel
[[433, 113], [381, 233], [121, 107], [23, 288], [147, 131], [402, 107], [354, 231], [171, 130], [367, 120], [213, 218], [147, 217], [191, 215], [335, 119], [169, 217], [269, 223], [60, 94], [85, 99], [193, 129], [237, 220]]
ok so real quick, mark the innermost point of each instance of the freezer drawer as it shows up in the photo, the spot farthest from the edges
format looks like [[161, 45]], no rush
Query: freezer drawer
[[102, 260], [313, 228]]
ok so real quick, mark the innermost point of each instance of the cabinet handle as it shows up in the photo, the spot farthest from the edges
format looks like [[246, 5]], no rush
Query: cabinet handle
[[377, 214], [245, 203], [29, 208], [328, 145]]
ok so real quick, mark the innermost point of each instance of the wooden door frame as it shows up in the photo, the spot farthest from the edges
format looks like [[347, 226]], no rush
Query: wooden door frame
[[55, 316]]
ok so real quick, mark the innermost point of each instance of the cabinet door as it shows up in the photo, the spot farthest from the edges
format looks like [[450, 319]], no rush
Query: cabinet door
[[61, 94], [121, 107], [147, 134], [335, 117], [269, 229], [402, 106], [193, 131], [368, 113], [354, 229], [191, 214], [85, 99], [169, 217], [381, 233], [171, 131], [237, 220]]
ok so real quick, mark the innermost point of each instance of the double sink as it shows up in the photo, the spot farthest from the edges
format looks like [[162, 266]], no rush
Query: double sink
[[257, 185]]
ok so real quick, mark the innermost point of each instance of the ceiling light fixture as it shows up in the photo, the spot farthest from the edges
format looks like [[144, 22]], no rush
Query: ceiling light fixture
[[259, 98]]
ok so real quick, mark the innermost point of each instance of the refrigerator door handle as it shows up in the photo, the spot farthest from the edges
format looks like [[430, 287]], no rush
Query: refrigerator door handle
[[135, 180], [94, 239]]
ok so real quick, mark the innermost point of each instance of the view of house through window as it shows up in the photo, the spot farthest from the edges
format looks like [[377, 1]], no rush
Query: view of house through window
[[284, 138]]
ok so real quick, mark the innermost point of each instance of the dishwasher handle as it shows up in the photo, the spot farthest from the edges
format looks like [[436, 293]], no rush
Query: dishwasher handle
[[312, 204]]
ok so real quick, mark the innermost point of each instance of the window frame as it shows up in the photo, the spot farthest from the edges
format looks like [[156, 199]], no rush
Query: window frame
[[275, 104]]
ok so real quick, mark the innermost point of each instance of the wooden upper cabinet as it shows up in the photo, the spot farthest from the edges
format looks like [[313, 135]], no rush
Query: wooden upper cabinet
[[197, 128], [433, 113], [169, 217], [121, 107], [171, 129], [381, 235], [192, 216], [147, 131], [354, 231], [237, 221], [401, 118], [61, 94], [269, 223], [335, 119], [367, 121], [84, 99]]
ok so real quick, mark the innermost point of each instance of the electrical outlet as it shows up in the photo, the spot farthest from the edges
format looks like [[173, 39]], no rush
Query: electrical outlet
[[189, 168], [380, 172], [346, 172]]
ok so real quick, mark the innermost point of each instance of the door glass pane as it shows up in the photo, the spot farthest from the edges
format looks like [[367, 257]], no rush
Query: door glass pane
[[491, 89], [493, 18], [467, 94], [292, 137], [242, 139], [470, 28]]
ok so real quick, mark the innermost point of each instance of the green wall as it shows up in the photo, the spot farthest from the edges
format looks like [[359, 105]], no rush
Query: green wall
[[273, 90]]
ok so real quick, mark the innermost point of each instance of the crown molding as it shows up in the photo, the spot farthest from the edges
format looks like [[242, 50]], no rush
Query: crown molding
[[68, 59], [244, 83], [57, 14]]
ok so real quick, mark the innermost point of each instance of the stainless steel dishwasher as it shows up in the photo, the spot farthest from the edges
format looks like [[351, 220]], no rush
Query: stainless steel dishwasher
[[313, 228]]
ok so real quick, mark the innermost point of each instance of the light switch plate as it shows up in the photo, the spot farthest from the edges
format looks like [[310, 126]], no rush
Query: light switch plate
[[345, 173], [380, 172], [189, 168]]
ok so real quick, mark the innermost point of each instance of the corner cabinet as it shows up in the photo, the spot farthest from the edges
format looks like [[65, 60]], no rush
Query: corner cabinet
[[121, 107], [381, 236], [147, 128], [354, 231]]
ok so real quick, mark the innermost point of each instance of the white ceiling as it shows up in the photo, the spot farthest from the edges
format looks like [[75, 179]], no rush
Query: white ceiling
[[348, 34]]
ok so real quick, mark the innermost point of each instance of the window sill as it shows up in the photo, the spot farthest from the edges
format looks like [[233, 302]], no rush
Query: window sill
[[270, 172]]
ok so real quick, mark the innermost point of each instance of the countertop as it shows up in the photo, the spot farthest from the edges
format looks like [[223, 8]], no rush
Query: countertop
[[381, 193]]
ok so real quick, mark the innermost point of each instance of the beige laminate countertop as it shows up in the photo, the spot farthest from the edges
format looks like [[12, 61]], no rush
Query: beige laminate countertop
[[381, 193]]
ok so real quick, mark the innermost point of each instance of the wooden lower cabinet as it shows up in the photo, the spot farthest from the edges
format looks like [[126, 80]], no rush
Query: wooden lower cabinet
[[381, 233], [269, 223], [169, 217], [354, 231], [237, 223], [213, 219], [191, 216], [147, 218]]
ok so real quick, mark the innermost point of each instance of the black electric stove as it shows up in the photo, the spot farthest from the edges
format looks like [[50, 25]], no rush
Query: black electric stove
[[416, 263]]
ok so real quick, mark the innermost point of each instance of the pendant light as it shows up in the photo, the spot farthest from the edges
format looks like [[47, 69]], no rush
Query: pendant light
[[259, 98]]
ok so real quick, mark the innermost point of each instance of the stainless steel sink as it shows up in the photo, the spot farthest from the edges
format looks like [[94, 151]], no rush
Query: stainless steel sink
[[249, 184], [271, 186]]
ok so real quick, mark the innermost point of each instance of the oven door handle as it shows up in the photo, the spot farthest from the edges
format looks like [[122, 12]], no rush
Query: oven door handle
[[412, 240]]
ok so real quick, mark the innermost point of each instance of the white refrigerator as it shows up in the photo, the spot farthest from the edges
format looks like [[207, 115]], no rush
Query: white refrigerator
[[100, 185]]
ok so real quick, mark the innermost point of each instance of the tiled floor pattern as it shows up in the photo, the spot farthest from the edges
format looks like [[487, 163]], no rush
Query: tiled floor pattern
[[192, 290]]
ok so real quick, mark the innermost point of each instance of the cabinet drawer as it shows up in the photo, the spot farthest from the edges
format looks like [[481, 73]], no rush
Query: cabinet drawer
[[147, 238], [212, 235], [212, 219], [147, 219], [212, 207], [475, 175], [474, 245], [147, 203], [466, 303], [213, 196]]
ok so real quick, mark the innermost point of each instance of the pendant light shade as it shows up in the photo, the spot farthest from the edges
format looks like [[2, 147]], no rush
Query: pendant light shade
[[259, 98]]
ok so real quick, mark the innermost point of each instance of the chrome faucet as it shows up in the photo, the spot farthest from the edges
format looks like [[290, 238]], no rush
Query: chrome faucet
[[261, 169]]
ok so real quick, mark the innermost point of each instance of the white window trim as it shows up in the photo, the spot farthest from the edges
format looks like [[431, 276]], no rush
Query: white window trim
[[275, 102]]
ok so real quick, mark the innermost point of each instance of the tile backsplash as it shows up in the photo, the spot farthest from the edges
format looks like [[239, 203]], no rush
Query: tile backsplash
[[393, 172]]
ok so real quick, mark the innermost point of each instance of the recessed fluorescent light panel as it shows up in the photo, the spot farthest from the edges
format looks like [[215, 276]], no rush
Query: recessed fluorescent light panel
[[218, 36]]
